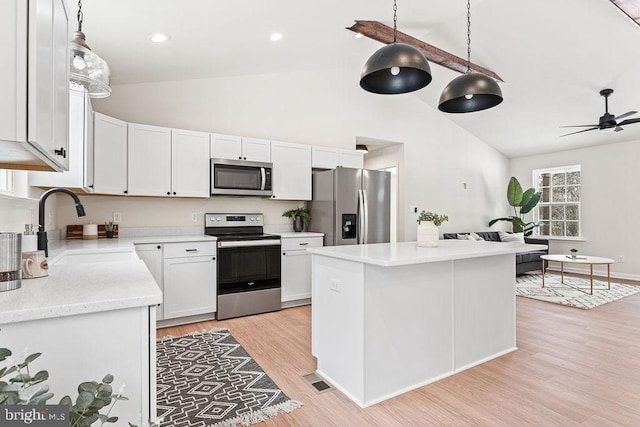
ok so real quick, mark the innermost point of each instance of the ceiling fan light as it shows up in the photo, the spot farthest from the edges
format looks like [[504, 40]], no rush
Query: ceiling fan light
[[470, 92], [412, 71]]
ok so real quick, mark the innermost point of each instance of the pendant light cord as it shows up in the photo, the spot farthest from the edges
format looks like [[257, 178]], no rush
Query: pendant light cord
[[468, 36], [395, 21], [80, 15]]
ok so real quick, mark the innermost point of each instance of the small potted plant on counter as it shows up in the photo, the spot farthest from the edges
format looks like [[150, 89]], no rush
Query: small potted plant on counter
[[574, 253], [109, 228], [300, 216], [428, 233]]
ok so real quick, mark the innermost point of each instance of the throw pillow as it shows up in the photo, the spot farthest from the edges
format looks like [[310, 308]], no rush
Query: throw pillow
[[511, 237], [475, 236], [462, 236]]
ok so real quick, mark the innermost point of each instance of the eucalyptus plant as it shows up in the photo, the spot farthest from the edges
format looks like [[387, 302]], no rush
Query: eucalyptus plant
[[522, 202]]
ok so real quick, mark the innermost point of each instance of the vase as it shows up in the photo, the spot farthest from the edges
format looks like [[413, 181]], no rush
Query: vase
[[428, 234], [297, 224]]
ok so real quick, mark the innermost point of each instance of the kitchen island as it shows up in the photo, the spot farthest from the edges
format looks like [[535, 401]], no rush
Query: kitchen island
[[388, 318]]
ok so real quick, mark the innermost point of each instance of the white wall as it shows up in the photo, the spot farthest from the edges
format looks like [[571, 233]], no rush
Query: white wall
[[609, 202], [325, 108]]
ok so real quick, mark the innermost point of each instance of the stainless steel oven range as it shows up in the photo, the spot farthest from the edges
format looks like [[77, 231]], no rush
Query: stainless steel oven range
[[248, 264]]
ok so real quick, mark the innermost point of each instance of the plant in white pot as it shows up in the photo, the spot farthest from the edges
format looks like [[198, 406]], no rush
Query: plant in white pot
[[428, 232]]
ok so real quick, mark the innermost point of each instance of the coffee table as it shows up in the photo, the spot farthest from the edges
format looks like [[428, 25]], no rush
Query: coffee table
[[590, 260]]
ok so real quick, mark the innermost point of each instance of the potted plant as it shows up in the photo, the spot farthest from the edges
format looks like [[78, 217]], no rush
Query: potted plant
[[300, 216], [428, 232], [109, 228], [522, 202]]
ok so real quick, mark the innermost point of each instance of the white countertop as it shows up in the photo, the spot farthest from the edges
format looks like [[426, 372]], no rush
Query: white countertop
[[406, 253], [86, 287]]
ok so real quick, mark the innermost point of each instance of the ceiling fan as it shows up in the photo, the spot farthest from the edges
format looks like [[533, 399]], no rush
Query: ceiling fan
[[607, 121]]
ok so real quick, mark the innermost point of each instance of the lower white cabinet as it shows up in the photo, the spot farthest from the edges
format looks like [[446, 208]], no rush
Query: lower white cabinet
[[186, 274], [296, 267], [151, 254]]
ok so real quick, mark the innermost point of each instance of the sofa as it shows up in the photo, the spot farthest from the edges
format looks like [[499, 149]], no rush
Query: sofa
[[525, 261]]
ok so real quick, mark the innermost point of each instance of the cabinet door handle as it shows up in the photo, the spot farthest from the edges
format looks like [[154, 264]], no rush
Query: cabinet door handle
[[158, 247], [91, 186], [61, 152], [214, 258], [126, 192], [168, 193], [174, 193], [284, 253], [191, 250], [303, 244]]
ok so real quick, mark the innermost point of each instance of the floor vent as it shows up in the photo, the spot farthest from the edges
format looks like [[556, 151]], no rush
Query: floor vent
[[318, 383]]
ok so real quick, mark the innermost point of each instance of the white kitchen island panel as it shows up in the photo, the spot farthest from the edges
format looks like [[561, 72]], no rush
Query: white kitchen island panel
[[389, 318]]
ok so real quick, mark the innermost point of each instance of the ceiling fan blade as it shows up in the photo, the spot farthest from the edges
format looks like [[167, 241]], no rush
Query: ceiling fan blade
[[580, 131], [627, 114], [629, 121], [579, 126]]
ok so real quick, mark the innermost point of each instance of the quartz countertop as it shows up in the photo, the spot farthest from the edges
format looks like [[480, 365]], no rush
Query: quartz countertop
[[86, 287], [406, 253]]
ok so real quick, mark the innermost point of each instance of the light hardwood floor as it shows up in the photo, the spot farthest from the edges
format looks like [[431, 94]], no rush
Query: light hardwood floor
[[572, 367]]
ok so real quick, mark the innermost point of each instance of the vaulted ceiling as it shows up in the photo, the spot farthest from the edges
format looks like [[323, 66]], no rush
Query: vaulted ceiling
[[554, 56]]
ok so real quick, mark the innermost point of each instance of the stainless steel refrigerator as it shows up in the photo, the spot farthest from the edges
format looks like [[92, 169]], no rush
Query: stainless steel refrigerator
[[351, 206]]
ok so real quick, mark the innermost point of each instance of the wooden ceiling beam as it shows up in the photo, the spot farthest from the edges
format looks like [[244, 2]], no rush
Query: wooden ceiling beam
[[380, 32]]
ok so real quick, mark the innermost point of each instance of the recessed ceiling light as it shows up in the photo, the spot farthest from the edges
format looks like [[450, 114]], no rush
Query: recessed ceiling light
[[159, 38], [358, 35], [275, 37]]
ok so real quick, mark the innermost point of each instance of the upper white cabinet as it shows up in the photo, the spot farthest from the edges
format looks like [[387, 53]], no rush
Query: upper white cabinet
[[80, 173], [331, 158], [189, 163], [240, 148], [149, 160], [291, 175], [34, 83], [110, 155]]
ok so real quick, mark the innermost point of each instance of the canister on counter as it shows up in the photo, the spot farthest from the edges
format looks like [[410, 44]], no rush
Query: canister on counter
[[90, 231]]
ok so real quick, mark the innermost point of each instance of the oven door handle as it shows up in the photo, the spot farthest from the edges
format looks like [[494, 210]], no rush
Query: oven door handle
[[263, 180], [243, 243]]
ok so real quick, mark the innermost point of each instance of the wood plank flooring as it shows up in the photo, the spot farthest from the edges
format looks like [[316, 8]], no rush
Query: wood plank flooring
[[572, 367]]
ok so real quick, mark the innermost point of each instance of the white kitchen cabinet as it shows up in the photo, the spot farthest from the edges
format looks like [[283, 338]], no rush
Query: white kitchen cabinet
[[110, 155], [148, 160], [34, 85], [151, 255], [296, 267], [331, 158], [79, 177], [291, 175], [189, 279], [240, 148], [189, 163]]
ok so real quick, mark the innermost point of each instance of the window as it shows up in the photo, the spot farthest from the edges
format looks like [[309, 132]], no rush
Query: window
[[6, 181], [558, 212]]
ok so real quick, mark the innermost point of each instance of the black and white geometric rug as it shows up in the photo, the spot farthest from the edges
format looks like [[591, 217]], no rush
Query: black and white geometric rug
[[574, 292], [207, 379]]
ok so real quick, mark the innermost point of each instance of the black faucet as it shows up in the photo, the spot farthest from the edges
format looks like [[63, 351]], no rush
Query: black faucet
[[42, 234]]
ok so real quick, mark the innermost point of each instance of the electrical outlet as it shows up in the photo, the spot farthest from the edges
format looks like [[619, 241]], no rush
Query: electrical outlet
[[194, 216], [621, 259], [117, 217], [335, 285]]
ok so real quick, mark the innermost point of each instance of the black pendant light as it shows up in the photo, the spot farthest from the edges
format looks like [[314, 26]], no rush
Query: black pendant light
[[395, 68], [471, 91]]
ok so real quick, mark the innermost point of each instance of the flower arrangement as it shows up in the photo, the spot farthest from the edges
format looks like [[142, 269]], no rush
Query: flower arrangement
[[436, 219]]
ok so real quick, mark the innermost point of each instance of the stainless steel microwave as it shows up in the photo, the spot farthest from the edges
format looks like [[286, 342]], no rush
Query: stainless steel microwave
[[240, 178]]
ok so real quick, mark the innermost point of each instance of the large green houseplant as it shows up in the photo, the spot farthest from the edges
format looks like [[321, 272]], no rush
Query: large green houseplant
[[522, 202]]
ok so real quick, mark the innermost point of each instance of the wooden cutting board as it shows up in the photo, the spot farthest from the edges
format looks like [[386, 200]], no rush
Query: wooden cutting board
[[75, 231]]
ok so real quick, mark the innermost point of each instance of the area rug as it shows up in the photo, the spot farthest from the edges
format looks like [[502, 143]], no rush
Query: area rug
[[530, 286], [207, 379]]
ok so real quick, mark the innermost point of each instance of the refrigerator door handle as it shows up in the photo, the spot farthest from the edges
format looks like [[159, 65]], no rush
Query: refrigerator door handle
[[365, 221], [361, 225]]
